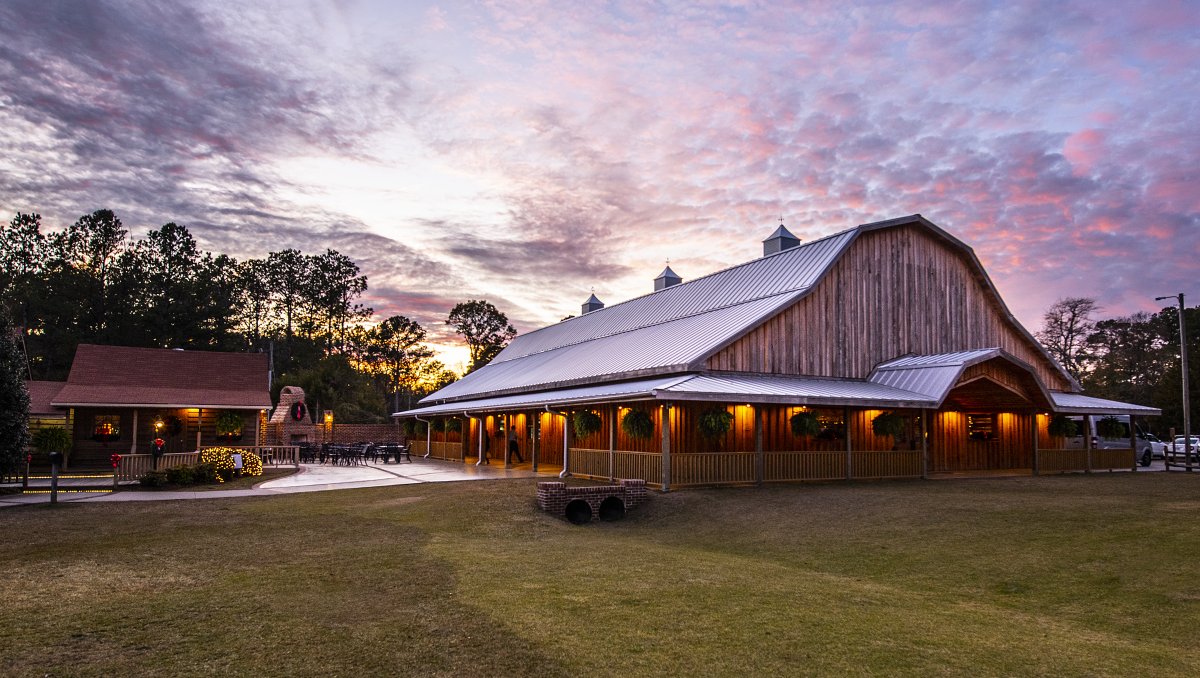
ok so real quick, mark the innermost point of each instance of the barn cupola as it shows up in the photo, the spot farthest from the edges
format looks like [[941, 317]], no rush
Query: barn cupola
[[666, 279], [782, 239], [592, 304]]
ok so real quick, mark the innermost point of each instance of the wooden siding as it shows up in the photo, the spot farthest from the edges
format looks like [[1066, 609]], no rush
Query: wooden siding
[[87, 453], [952, 450], [895, 291]]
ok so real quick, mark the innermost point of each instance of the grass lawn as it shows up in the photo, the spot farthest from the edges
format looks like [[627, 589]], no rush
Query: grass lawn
[[1068, 575]]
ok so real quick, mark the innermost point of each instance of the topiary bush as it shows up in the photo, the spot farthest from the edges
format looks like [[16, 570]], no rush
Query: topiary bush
[[585, 422], [1062, 426], [637, 424], [805, 424]]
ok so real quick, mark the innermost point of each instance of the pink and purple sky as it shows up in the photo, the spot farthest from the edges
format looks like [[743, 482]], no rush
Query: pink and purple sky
[[528, 152]]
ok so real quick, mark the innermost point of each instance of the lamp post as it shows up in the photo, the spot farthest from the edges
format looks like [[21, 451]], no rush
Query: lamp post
[[1187, 418]]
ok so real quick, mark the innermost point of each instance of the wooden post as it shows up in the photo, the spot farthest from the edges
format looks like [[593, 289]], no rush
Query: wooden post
[[758, 445], [199, 424], [612, 440], [1133, 445], [849, 446], [258, 420], [133, 445], [924, 445], [1036, 453], [1087, 440], [665, 423], [537, 433]]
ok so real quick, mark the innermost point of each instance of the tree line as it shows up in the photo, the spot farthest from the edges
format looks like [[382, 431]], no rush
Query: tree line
[[93, 283], [1134, 358]]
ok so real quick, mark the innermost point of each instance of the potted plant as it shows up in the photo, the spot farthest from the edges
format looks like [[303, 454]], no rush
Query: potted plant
[[637, 424], [805, 424], [51, 440], [585, 422], [888, 424], [229, 426], [1062, 426], [714, 423]]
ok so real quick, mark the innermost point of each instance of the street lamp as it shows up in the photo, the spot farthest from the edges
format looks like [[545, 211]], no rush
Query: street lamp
[[1187, 418]]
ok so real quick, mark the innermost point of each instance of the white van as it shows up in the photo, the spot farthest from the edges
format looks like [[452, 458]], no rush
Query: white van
[[1148, 447]]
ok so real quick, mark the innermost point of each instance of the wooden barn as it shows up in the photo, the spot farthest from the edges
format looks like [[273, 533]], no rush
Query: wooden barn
[[117, 399], [879, 352]]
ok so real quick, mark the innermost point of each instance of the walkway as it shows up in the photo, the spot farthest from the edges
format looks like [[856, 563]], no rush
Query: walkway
[[310, 478]]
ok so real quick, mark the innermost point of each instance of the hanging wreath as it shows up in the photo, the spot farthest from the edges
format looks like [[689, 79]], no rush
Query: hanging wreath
[[715, 423], [299, 412], [173, 425]]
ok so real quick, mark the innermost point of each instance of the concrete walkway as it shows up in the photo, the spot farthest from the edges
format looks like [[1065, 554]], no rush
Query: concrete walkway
[[310, 478]]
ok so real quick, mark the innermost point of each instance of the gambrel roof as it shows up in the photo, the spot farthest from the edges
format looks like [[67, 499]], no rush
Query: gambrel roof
[[674, 330]]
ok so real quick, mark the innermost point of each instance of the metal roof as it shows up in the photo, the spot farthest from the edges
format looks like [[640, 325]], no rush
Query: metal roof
[[792, 270], [671, 345], [1081, 404], [796, 390], [930, 375], [624, 391]]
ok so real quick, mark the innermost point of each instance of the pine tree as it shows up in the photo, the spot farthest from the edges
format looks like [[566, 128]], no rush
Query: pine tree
[[14, 402]]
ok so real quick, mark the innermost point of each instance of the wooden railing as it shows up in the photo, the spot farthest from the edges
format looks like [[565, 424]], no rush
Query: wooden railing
[[1060, 461], [713, 468], [134, 466], [886, 464], [590, 463], [803, 466], [450, 450]]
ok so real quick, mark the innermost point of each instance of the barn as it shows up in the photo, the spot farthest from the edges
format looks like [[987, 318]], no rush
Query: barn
[[883, 351]]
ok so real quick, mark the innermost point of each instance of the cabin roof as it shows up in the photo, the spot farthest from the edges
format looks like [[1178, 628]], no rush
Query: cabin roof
[[126, 376], [41, 393]]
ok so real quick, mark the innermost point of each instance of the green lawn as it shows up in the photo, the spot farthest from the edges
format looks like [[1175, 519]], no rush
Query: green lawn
[[1068, 575]]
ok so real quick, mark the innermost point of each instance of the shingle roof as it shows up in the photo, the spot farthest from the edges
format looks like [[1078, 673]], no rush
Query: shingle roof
[[40, 395], [128, 376]]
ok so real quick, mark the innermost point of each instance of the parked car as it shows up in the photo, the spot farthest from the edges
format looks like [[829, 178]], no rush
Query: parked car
[[1148, 447], [1178, 448], [1158, 449]]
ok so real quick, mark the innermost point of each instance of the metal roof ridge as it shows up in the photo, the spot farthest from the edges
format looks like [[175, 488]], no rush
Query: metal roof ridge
[[685, 283]]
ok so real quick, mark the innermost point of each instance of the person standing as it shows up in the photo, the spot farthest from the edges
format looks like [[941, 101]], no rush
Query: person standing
[[514, 450]]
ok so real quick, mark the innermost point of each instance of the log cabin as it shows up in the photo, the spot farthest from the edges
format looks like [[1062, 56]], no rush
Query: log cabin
[[883, 351], [118, 399]]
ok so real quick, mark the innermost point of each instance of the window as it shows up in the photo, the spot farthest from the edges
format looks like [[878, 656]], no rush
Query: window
[[106, 428], [981, 427]]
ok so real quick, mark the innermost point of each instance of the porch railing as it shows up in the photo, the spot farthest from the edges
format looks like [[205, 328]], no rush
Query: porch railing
[[134, 466], [1063, 461], [594, 464], [271, 455], [780, 466], [448, 450]]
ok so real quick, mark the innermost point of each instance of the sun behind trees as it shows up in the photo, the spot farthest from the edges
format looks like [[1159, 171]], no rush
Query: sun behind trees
[[93, 283]]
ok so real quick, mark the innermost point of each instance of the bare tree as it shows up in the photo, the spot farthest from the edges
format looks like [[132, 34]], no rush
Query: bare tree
[[1066, 326]]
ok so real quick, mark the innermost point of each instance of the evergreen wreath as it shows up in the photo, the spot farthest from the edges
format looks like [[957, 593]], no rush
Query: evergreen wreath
[[586, 422]]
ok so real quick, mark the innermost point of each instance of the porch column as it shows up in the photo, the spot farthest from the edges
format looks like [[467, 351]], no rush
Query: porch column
[[665, 422], [758, 445], [258, 417], [133, 445], [924, 445], [612, 439], [537, 433], [1133, 445], [849, 446], [199, 424], [566, 445], [1036, 452], [1087, 440]]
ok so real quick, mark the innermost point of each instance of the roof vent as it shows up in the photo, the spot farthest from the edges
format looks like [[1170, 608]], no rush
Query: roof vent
[[592, 304], [782, 239], [666, 279]]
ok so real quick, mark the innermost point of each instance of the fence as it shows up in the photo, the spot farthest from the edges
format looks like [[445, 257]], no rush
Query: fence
[[451, 450], [1063, 461], [134, 466], [271, 455], [731, 468]]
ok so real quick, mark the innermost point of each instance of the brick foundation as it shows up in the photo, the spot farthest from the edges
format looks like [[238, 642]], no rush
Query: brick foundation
[[553, 497]]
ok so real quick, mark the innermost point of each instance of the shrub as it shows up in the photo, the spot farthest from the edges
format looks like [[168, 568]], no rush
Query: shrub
[[637, 424], [52, 439], [888, 424], [1062, 426], [153, 479], [586, 423], [251, 464], [714, 423], [180, 475], [805, 424], [222, 460], [205, 474]]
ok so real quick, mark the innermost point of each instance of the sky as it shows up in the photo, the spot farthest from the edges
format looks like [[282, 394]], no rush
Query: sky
[[530, 153]]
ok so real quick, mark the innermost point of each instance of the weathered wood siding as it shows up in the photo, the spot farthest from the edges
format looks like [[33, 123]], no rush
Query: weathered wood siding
[[895, 291], [952, 450]]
